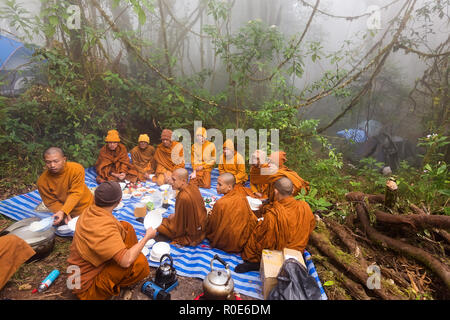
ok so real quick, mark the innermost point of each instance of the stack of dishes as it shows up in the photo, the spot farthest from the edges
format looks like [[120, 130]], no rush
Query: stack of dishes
[[158, 250]]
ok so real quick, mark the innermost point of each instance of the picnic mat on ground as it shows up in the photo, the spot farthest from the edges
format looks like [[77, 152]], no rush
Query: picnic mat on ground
[[188, 261]]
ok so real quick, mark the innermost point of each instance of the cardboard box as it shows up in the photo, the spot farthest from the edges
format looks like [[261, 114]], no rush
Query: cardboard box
[[290, 253], [271, 263]]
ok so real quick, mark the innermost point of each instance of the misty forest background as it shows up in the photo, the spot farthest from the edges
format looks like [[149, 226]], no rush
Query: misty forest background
[[308, 68]]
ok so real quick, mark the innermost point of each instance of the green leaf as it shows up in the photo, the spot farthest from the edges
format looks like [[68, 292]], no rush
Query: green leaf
[[53, 20], [328, 283]]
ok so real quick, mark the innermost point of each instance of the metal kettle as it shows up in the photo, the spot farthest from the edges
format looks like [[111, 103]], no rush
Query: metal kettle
[[218, 285], [166, 275]]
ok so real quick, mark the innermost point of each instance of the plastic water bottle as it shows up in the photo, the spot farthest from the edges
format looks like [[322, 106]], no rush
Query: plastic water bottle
[[48, 281]]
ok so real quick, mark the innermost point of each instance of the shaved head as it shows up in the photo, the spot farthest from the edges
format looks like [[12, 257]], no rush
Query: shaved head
[[53, 150], [181, 173], [225, 183], [284, 186], [228, 178]]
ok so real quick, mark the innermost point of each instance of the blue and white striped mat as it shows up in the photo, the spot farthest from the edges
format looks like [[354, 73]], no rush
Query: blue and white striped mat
[[188, 261]]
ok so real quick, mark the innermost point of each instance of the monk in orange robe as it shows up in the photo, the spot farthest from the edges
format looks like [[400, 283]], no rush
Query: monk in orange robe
[[187, 225], [258, 161], [62, 186], [107, 251], [287, 224], [143, 158], [274, 171], [169, 156], [14, 251], [113, 163], [233, 162], [231, 220], [203, 159]]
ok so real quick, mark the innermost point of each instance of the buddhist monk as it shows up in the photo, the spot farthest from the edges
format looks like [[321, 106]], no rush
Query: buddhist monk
[[14, 251], [203, 159], [187, 225], [62, 186], [274, 171], [113, 163], [169, 156], [231, 220], [272, 233], [107, 251], [258, 161], [301, 219], [143, 158], [233, 162]]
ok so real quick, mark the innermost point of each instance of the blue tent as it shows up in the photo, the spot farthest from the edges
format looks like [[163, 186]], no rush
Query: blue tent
[[16, 66], [11, 50]]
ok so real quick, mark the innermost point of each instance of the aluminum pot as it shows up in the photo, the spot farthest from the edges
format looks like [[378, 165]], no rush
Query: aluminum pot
[[42, 241], [218, 285]]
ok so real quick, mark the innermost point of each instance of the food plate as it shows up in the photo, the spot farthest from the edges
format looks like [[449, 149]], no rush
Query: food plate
[[164, 187], [154, 218], [64, 229], [41, 224], [254, 203], [158, 250], [142, 189], [137, 194], [145, 251], [126, 196], [119, 206], [72, 223]]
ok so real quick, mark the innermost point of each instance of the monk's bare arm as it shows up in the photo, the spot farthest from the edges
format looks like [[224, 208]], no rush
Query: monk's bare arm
[[132, 253]]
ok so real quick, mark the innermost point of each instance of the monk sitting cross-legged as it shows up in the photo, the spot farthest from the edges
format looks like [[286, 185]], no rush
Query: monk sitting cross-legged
[[142, 157], [286, 224], [274, 171], [113, 163], [203, 159], [107, 251], [258, 161], [187, 225], [231, 220], [169, 156], [232, 162], [62, 187]]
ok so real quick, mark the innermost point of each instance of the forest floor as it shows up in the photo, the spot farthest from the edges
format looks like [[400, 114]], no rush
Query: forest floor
[[341, 271]]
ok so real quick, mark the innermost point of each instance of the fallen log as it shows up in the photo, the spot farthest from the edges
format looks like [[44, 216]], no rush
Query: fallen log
[[352, 269], [415, 221], [440, 269]]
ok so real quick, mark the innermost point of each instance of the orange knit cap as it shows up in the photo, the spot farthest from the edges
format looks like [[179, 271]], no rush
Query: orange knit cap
[[278, 157], [144, 138], [201, 131], [113, 136]]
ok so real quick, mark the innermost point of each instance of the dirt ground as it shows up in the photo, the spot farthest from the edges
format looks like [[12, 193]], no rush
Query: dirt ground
[[30, 275]]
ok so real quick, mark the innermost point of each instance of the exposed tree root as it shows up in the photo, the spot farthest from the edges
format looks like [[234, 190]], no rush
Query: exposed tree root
[[439, 268]]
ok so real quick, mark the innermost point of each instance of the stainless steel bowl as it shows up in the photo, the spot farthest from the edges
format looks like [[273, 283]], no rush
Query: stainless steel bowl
[[42, 241]]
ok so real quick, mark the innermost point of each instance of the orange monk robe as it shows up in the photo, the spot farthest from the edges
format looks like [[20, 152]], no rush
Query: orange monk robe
[[262, 188], [301, 222], [165, 164], [230, 223], [260, 178], [116, 161], [187, 225], [99, 243], [144, 161], [66, 190], [235, 166], [203, 155], [272, 233], [13, 252]]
